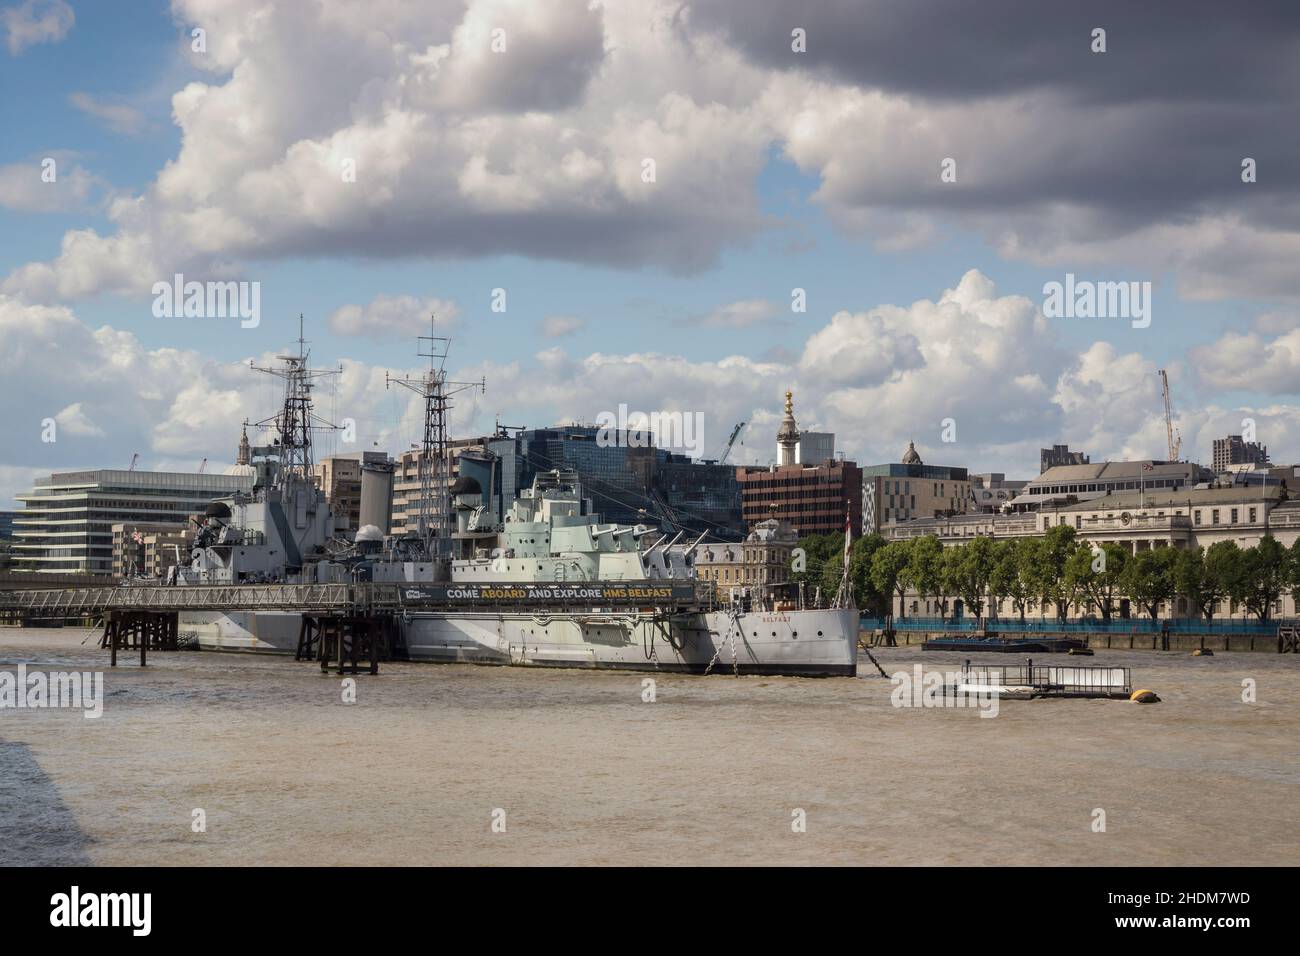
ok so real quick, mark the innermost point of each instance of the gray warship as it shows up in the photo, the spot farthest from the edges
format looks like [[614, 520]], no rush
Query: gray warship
[[546, 583]]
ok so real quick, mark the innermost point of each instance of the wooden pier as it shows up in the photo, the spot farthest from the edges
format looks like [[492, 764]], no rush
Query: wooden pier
[[139, 630]]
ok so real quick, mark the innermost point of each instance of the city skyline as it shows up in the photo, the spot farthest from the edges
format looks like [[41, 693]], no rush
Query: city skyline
[[776, 171]]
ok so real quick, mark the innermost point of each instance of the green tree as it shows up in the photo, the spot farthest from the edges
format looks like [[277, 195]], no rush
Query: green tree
[[1262, 577], [869, 597], [889, 572], [925, 571], [968, 569], [1095, 575], [1149, 578], [1223, 565], [1293, 570], [1014, 565], [1193, 582], [832, 572], [1048, 574], [817, 550]]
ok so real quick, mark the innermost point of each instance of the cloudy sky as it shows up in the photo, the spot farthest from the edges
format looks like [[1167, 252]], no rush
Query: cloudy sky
[[369, 163]]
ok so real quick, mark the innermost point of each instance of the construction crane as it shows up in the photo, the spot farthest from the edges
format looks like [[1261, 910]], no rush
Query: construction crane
[[134, 458], [726, 452], [1174, 439]]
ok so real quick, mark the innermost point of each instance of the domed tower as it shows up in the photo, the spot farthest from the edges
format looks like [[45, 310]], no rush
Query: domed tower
[[910, 457], [787, 437], [245, 455]]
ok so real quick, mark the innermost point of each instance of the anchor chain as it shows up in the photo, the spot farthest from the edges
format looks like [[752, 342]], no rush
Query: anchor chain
[[731, 635]]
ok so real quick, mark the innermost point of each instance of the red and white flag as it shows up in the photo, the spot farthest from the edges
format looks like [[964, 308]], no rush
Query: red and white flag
[[848, 535]]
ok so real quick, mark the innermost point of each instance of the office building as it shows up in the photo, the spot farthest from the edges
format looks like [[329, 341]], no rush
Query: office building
[[912, 489], [812, 499], [1059, 455], [815, 448], [1137, 521], [627, 479], [340, 479], [149, 550], [1069, 484], [992, 491], [1233, 451], [66, 524], [758, 566]]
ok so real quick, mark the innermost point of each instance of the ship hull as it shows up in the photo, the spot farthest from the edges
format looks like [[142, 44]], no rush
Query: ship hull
[[820, 643]]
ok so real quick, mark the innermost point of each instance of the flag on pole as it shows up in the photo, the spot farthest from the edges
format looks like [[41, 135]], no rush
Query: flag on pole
[[848, 534], [844, 597]]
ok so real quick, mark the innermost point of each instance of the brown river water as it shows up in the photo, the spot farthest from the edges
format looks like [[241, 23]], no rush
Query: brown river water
[[581, 770]]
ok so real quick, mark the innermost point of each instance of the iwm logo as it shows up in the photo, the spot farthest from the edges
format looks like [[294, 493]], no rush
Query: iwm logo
[[1098, 300], [208, 300]]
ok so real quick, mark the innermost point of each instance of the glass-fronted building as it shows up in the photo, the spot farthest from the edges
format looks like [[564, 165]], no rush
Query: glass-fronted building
[[627, 480], [66, 524]]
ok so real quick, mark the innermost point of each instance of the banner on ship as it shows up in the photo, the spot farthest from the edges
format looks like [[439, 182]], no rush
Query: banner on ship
[[550, 593]]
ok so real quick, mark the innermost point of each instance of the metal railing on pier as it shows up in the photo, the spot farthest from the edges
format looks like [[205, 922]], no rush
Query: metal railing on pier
[[1045, 680]]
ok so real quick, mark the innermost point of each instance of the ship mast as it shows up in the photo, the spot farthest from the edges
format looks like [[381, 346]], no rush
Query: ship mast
[[296, 419], [433, 525]]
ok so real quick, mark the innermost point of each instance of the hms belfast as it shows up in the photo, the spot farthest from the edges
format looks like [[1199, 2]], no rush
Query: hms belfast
[[546, 583]]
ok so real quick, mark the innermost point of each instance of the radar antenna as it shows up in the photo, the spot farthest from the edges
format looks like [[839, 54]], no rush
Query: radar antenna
[[433, 525], [296, 420]]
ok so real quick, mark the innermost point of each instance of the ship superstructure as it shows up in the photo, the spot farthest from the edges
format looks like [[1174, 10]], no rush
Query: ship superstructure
[[545, 583], [282, 530]]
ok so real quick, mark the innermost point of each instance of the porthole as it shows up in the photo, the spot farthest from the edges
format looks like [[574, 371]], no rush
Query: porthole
[[819, 633]]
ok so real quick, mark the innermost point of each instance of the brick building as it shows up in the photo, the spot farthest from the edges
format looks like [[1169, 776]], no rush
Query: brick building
[[810, 498]]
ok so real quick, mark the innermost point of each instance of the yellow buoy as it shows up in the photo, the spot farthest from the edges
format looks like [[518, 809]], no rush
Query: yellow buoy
[[1145, 697]]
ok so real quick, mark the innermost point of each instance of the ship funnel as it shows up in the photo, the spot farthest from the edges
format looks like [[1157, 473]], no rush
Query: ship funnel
[[377, 495]]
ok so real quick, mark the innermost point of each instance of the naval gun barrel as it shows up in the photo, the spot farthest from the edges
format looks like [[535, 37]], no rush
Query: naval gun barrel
[[676, 538], [695, 544]]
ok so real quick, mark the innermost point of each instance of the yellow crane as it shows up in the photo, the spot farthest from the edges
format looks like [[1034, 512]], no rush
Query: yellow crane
[[1174, 438]]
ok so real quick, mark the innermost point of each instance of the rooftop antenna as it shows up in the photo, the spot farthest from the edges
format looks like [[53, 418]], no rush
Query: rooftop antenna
[[433, 524]]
